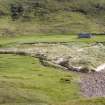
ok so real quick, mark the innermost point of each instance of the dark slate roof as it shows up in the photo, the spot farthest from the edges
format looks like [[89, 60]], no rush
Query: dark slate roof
[[85, 35]]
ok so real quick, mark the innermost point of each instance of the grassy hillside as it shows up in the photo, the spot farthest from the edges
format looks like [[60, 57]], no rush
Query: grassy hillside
[[53, 16], [24, 80]]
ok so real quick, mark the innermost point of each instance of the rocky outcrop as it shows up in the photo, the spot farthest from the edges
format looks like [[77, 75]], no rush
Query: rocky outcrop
[[64, 62]]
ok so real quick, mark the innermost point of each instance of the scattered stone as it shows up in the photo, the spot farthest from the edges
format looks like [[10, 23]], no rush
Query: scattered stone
[[50, 64], [63, 62], [93, 85], [41, 56], [76, 69]]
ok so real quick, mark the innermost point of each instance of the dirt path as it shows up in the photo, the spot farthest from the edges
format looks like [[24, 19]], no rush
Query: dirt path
[[93, 85]]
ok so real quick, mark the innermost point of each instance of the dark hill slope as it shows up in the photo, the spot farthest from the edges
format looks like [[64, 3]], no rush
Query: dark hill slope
[[51, 16]]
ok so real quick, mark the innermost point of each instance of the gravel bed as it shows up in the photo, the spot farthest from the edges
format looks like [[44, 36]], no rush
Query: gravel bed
[[93, 85]]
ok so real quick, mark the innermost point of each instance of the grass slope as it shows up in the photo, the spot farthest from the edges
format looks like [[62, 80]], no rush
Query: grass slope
[[53, 16], [24, 81]]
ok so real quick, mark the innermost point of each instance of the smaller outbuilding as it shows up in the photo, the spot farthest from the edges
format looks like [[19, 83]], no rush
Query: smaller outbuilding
[[84, 35]]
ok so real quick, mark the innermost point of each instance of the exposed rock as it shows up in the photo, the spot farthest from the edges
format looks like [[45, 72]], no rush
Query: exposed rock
[[76, 69], [50, 64], [63, 62], [72, 57], [41, 56], [85, 70], [100, 68]]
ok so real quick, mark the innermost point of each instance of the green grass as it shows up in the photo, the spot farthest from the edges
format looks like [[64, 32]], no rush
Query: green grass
[[24, 80], [54, 16], [5, 41], [99, 101]]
